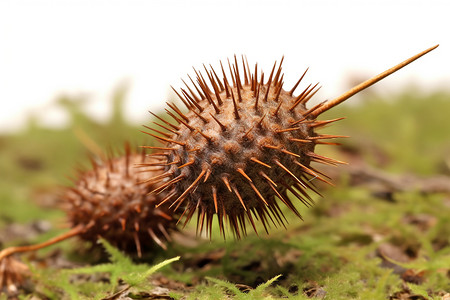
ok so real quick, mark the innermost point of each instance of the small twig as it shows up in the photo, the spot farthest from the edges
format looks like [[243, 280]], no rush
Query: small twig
[[11, 250], [368, 83]]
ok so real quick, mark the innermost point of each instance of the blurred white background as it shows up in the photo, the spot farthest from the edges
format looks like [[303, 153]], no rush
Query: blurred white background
[[54, 48]]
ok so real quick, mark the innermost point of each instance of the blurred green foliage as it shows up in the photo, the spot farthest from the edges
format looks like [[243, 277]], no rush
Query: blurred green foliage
[[332, 253], [411, 129]]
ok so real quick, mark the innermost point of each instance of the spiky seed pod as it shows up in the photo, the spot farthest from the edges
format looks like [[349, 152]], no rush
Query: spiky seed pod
[[12, 275], [243, 144], [110, 202]]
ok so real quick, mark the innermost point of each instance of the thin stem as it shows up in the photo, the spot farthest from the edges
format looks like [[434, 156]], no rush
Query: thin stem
[[11, 250], [368, 83]]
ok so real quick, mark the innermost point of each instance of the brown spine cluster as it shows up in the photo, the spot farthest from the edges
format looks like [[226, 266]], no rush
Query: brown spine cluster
[[242, 146], [109, 201]]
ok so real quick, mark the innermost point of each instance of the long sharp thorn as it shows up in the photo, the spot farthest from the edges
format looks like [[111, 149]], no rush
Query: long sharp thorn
[[225, 80], [258, 193], [158, 177], [164, 121], [302, 96], [241, 171], [238, 89], [164, 231], [158, 131], [249, 215], [158, 148], [304, 193], [297, 195], [246, 80], [261, 83], [285, 201], [166, 128], [280, 83], [156, 238], [236, 113], [201, 117], [217, 79], [277, 76], [278, 163], [223, 127], [123, 223], [165, 154], [190, 162], [275, 113], [188, 190], [196, 88], [312, 173], [173, 116], [319, 172], [202, 220], [255, 80], [236, 70], [227, 183], [208, 96], [248, 131], [214, 85], [231, 72], [289, 153], [164, 186], [326, 122], [194, 96], [216, 91], [185, 101], [260, 121], [164, 139], [207, 137], [299, 97], [180, 121], [214, 192], [257, 96], [266, 177], [291, 92], [235, 190], [248, 67], [327, 136], [203, 85], [208, 172], [269, 83], [369, 82], [260, 162], [327, 143], [178, 111], [307, 113], [304, 101], [299, 140], [269, 146], [271, 73], [325, 159], [192, 101], [201, 82], [279, 91], [287, 129]]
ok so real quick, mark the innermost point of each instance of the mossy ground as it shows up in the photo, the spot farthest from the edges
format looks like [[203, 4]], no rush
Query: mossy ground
[[357, 241]]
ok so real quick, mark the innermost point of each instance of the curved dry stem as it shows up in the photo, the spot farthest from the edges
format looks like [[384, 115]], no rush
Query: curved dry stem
[[367, 83], [11, 250]]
